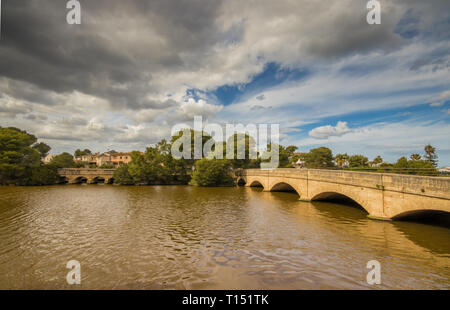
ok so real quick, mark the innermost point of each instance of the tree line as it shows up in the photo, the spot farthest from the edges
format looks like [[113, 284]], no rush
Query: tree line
[[21, 162], [322, 157]]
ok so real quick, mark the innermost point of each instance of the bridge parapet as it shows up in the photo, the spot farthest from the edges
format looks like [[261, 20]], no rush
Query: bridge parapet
[[85, 172], [421, 185]]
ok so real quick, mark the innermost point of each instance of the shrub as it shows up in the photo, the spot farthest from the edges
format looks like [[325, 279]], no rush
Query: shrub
[[212, 172]]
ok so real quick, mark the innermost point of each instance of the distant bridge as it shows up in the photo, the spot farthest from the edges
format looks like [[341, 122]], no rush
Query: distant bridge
[[86, 175], [383, 196]]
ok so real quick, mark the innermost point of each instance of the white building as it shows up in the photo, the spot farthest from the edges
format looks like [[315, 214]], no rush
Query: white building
[[47, 159], [444, 170]]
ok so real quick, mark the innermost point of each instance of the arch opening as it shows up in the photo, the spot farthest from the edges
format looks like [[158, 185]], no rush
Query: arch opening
[[63, 180], [339, 199], [110, 181], [256, 184], [98, 180], [431, 217], [80, 180], [283, 187], [241, 182]]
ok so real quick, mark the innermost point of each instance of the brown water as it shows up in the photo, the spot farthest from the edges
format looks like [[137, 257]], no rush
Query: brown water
[[181, 237]]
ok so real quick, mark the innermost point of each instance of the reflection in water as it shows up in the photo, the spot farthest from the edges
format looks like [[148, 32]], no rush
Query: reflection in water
[[160, 237], [429, 237]]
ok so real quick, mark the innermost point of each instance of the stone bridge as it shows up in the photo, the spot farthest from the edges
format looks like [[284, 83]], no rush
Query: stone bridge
[[86, 175], [383, 196]]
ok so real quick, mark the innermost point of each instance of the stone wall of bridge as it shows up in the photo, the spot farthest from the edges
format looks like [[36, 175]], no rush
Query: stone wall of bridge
[[75, 175], [383, 196]]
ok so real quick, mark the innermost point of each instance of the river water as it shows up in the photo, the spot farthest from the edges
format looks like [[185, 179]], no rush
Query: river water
[[184, 237]]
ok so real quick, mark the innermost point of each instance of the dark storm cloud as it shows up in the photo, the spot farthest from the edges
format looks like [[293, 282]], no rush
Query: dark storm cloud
[[352, 34], [40, 48]]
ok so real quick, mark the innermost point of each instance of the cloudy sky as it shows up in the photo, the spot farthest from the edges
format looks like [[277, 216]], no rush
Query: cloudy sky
[[133, 69]]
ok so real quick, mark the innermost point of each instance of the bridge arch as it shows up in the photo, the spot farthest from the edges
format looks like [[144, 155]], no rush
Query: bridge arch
[[341, 198], [424, 214], [241, 182], [256, 183], [63, 180], [98, 180], [284, 186], [80, 180]]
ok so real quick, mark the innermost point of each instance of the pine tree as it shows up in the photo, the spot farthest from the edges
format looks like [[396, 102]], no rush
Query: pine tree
[[430, 155]]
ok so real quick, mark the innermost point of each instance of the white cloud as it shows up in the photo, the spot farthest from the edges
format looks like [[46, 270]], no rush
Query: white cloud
[[190, 108], [327, 131], [441, 99], [389, 140], [10, 107]]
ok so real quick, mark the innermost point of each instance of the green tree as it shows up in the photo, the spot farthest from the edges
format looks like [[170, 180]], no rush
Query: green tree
[[415, 157], [244, 148], [341, 159], [320, 157], [358, 161], [401, 165], [285, 155], [377, 160], [42, 148], [42, 175], [430, 155], [212, 172], [64, 160], [138, 169], [122, 176], [421, 167], [79, 153], [205, 137], [158, 166], [16, 155]]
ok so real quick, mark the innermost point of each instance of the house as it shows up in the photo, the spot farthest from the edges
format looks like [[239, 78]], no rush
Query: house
[[103, 159], [88, 159], [444, 170], [299, 164], [107, 158], [375, 165], [118, 159]]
